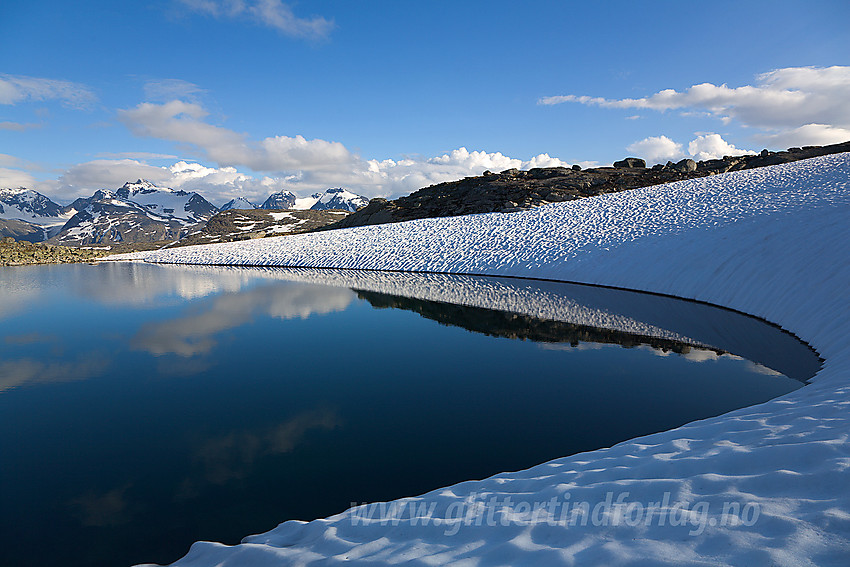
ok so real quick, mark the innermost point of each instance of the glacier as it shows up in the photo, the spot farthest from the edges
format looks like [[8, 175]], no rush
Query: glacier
[[772, 242]]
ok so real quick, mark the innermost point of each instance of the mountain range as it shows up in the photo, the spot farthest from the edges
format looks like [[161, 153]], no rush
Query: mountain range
[[136, 212], [337, 199]]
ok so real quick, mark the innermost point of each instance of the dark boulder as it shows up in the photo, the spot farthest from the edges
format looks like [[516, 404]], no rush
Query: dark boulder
[[686, 165], [630, 163]]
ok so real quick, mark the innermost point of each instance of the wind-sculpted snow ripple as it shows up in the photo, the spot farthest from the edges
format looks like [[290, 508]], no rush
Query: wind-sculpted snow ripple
[[773, 242]]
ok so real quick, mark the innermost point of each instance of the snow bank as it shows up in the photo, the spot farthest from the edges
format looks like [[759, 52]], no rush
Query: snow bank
[[773, 242]]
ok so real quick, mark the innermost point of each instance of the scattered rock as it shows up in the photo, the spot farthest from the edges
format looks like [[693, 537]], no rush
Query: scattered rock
[[685, 165], [20, 253], [245, 224]]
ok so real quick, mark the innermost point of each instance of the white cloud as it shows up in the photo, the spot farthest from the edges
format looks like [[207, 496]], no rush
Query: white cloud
[[807, 135], [657, 149], [373, 178], [660, 149], [712, 146], [224, 184], [14, 178], [83, 179], [390, 177], [307, 166], [183, 122], [792, 105], [219, 185], [544, 160], [272, 13], [170, 89], [792, 96], [17, 88], [134, 155]]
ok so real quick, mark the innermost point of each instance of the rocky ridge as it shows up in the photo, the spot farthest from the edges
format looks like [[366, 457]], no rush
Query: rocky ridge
[[244, 224], [514, 190]]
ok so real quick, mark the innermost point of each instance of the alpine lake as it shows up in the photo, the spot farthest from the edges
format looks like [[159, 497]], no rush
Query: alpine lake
[[145, 407]]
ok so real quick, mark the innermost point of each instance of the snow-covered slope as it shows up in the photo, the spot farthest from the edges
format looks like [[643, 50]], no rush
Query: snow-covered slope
[[31, 207], [188, 208], [337, 198], [773, 242], [238, 203]]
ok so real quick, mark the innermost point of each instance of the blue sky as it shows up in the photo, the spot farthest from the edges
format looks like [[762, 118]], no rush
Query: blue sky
[[234, 97]]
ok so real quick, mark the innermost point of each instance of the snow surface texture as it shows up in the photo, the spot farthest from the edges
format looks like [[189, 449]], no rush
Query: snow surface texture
[[773, 242]]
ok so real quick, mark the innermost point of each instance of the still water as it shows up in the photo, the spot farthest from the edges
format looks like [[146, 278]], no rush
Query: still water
[[145, 407]]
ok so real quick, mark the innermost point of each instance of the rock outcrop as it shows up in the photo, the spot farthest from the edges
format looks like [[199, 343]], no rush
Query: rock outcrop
[[514, 190], [244, 224], [21, 253]]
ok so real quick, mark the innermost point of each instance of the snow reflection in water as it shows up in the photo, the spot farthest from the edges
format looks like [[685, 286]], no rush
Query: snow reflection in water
[[146, 407]]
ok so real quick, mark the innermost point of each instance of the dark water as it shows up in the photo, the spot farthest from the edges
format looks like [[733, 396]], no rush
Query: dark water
[[143, 408]]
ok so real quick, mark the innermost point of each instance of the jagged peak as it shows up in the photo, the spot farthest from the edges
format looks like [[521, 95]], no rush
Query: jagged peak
[[133, 187], [11, 191], [141, 183]]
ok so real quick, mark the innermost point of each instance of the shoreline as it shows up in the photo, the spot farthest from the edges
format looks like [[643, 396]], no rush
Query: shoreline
[[771, 242]]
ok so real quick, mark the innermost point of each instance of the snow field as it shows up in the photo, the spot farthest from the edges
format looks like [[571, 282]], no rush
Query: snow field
[[773, 242]]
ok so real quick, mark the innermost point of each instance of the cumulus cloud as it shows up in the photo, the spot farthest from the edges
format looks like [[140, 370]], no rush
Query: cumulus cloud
[[807, 135], [305, 165], [781, 103], [223, 184], [391, 177], [183, 122], [371, 178], [219, 185], [660, 149], [657, 149], [271, 13], [17, 88], [713, 146]]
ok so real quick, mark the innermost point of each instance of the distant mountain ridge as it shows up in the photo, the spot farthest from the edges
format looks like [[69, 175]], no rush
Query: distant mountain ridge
[[138, 211], [28, 215], [238, 203], [280, 200], [335, 198]]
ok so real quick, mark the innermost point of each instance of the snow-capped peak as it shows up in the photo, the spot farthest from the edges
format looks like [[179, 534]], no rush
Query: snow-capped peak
[[238, 203], [334, 198], [6, 192], [279, 200], [144, 186], [33, 208]]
